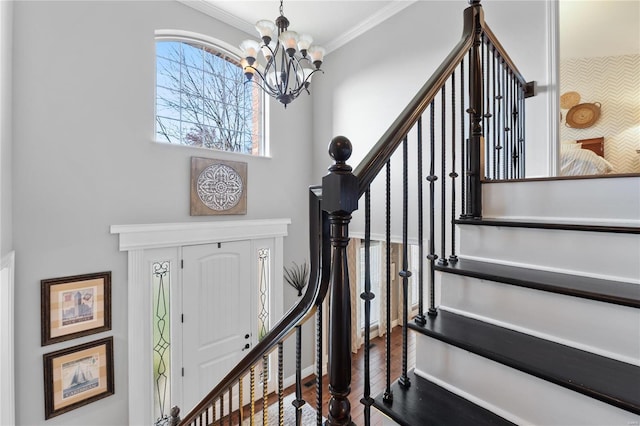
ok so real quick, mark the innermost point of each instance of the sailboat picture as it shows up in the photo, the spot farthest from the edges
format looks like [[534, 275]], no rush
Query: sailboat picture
[[80, 375], [77, 376]]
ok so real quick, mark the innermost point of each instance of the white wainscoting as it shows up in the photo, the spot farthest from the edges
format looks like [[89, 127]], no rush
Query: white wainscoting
[[7, 378]]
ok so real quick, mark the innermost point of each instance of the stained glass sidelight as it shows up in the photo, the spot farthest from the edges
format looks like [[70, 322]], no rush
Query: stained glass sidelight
[[160, 277]]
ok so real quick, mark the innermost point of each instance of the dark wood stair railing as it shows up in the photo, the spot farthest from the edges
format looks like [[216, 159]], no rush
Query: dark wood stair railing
[[480, 57], [481, 49]]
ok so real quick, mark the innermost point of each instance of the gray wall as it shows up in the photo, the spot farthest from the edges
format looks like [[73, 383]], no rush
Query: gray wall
[[6, 30], [84, 159]]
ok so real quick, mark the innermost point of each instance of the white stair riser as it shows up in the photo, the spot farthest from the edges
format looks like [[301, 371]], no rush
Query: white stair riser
[[529, 400], [606, 329], [580, 201], [606, 255]]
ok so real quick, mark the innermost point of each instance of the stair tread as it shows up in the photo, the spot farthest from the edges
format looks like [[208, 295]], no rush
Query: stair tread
[[618, 292], [542, 224], [611, 381], [425, 403]]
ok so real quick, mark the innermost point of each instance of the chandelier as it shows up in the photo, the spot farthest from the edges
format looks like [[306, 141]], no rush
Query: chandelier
[[288, 60]]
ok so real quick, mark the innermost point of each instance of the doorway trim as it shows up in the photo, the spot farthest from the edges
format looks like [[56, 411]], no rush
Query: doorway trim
[[136, 239]]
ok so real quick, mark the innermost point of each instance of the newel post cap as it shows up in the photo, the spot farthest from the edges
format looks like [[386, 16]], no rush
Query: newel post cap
[[340, 186]]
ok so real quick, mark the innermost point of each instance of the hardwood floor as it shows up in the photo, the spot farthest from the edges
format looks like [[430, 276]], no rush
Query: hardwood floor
[[377, 382], [378, 376]]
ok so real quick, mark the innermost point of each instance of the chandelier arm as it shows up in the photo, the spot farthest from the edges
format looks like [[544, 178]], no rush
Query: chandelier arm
[[265, 84]]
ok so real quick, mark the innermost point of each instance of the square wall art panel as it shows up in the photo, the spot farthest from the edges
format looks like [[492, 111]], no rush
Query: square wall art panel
[[218, 187]]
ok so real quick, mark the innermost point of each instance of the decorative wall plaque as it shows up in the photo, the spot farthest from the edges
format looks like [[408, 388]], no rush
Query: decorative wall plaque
[[218, 187]]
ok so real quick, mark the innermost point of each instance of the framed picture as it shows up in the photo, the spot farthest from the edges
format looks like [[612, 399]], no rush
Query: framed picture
[[218, 187], [77, 376], [75, 306]]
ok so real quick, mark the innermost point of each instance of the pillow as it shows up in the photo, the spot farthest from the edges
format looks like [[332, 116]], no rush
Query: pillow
[[570, 145]]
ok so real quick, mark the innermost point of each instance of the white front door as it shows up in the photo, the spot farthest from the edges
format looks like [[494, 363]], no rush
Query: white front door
[[218, 303]]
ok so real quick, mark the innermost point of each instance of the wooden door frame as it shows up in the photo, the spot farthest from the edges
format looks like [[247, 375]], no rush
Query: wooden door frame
[[137, 241]]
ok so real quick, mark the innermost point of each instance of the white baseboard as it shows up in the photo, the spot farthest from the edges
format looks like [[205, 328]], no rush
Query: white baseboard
[[7, 377]]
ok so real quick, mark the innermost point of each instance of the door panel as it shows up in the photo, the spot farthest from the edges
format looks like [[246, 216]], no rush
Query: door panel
[[217, 307]]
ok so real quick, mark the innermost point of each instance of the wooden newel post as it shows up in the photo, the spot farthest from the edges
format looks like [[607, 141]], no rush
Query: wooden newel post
[[474, 172], [339, 200]]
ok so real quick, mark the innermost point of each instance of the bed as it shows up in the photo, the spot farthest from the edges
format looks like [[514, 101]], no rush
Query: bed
[[583, 157]]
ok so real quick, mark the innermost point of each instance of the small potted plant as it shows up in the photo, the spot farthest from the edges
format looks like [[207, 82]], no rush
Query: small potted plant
[[297, 276]]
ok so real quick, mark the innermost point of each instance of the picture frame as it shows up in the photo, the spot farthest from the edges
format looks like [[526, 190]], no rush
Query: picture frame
[[77, 376], [218, 187], [75, 306]]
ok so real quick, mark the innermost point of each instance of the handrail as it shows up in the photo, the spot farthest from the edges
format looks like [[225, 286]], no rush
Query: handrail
[[371, 165], [298, 314], [503, 53]]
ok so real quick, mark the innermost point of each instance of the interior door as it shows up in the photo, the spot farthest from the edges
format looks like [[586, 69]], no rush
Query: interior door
[[217, 308]]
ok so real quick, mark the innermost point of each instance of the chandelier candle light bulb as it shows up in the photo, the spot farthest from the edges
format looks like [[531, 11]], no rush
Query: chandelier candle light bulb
[[285, 68]]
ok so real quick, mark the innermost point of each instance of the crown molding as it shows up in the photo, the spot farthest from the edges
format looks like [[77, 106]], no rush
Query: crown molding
[[382, 15], [209, 9], [369, 23]]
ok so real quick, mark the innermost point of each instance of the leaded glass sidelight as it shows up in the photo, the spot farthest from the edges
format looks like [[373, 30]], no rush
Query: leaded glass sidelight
[[263, 291], [160, 278]]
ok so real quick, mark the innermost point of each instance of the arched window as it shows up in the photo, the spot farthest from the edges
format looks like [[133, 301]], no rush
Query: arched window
[[202, 99]]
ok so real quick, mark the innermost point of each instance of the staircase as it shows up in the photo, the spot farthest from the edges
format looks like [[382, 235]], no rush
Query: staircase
[[533, 290], [539, 319]]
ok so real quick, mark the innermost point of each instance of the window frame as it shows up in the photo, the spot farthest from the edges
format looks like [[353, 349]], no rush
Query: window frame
[[223, 48]]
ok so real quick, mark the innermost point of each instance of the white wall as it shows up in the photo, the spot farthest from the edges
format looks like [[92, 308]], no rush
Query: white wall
[[83, 160], [370, 80]]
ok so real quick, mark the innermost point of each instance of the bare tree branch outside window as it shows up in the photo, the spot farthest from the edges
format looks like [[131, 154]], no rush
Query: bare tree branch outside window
[[202, 99]]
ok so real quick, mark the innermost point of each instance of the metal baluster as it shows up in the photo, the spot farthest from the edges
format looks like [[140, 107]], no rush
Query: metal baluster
[[432, 256], [487, 114], [252, 394], [514, 125], [405, 273], [319, 354], [443, 182], [463, 142], [505, 122], [367, 296], [299, 402], [495, 118], [521, 132], [420, 318], [509, 120], [280, 385], [453, 175], [265, 389], [498, 116], [388, 394]]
